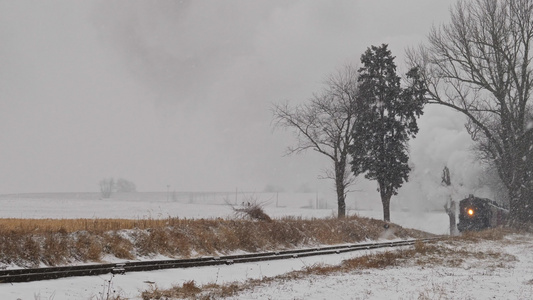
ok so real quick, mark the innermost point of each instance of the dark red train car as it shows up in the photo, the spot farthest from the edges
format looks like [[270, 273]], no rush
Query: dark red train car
[[480, 213]]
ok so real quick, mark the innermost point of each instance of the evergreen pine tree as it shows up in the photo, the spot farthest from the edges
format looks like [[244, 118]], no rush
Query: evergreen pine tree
[[387, 115]]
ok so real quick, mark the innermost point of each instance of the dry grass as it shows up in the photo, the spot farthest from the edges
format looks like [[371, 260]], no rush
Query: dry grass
[[494, 234], [24, 226], [30, 242], [378, 261], [187, 290]]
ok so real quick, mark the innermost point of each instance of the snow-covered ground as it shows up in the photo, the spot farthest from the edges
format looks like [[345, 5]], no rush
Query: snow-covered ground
[[508, 276], [206, 206], [472, 279]]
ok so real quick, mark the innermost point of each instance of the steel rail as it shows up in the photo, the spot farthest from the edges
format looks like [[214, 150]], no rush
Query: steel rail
[[26, 275]]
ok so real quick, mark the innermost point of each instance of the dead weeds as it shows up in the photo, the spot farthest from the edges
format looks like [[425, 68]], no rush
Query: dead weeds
[[31, 242]]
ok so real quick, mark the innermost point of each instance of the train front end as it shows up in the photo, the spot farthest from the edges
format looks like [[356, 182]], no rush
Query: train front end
[[473, 214]]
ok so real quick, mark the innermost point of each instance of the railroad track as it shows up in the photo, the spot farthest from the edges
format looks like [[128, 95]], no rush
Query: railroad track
[[25, 275]]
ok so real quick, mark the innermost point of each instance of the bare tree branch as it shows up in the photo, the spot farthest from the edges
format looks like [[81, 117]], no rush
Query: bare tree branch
[[480, 65]]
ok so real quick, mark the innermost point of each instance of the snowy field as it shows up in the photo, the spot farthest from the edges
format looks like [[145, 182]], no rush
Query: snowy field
[[469, 281], [509, 278], [200, 205]]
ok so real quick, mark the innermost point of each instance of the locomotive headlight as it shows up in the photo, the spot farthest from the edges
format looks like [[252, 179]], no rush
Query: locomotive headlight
[[470, 212]]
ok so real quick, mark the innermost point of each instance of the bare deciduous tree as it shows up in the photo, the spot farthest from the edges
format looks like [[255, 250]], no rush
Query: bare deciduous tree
[[106, 187], [125, 186], [480, 65], [324, 124]]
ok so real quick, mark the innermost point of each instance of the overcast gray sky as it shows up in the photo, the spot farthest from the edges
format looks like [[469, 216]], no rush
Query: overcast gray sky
[[178, 92]]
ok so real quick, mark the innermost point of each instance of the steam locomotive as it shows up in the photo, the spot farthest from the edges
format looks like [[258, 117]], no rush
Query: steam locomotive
[[480, 213]]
